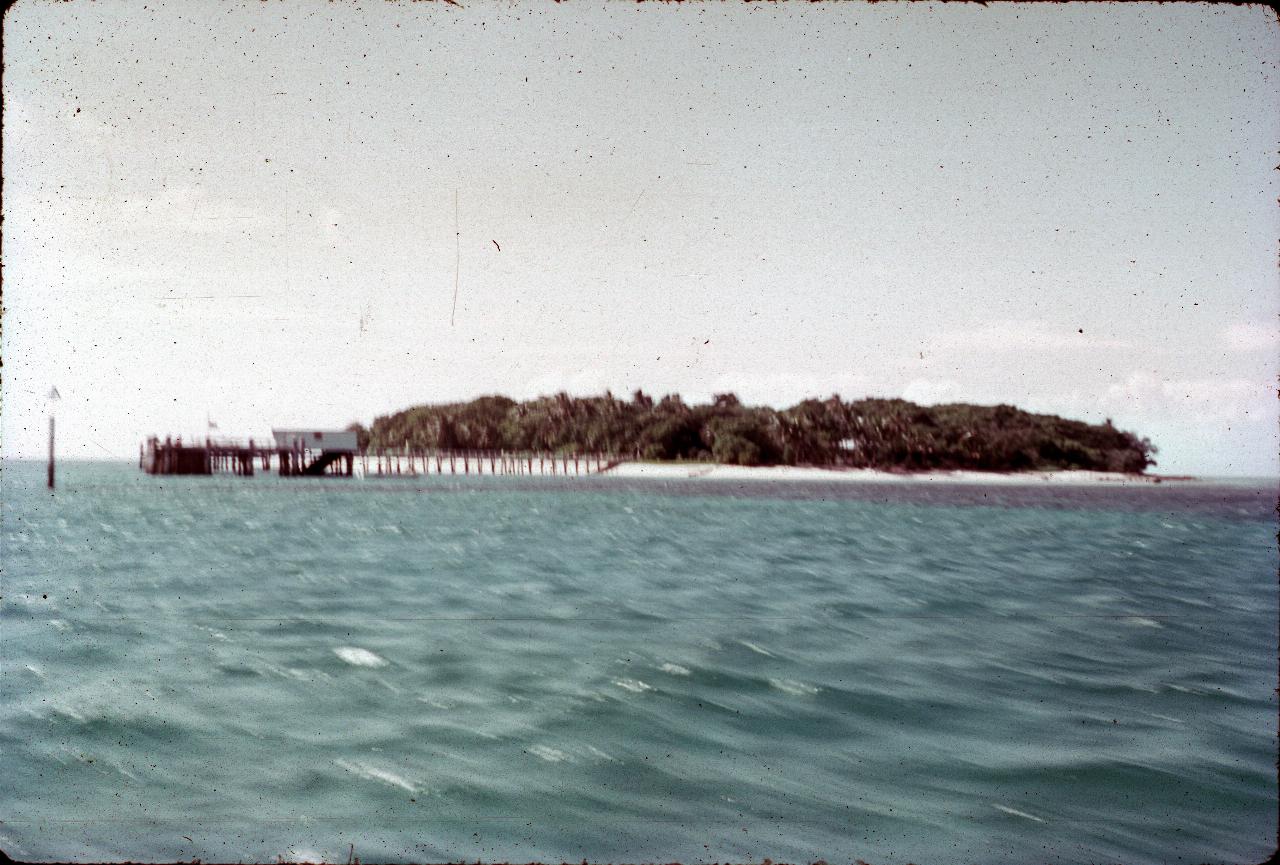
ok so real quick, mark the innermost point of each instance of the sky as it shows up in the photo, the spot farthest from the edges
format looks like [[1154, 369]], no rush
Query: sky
[[261, 214]]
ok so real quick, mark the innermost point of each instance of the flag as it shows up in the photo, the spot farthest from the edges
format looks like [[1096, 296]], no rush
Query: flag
[[53, 394]]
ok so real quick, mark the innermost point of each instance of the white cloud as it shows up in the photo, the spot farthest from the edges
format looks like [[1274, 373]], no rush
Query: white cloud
[[1251, 337], [932, 391], [1201, 399]]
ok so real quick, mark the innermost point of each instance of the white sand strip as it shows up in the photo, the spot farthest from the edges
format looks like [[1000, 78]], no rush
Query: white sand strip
[[713, 471]]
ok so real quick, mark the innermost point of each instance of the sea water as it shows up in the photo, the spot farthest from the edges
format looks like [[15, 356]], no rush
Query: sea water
[[549, 669]]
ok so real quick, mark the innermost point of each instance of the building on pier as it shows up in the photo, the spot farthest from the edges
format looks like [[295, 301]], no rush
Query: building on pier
[[313, 452]]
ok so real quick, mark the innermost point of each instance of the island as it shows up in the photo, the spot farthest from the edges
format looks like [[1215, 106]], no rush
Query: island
[[871, 433]]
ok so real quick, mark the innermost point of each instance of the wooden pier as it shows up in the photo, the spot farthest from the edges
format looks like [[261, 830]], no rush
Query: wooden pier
[[173, 457]]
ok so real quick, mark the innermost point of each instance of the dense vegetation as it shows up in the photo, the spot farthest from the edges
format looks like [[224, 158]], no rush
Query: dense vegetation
[[875, 433]]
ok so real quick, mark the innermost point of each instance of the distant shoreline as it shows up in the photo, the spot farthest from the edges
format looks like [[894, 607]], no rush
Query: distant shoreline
[[693, 470]]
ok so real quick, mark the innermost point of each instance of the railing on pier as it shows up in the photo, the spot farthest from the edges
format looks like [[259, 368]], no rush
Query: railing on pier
[[381, 462], [240, 458]]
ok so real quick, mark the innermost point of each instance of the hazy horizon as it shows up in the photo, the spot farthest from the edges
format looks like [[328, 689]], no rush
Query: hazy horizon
[[260, 215]]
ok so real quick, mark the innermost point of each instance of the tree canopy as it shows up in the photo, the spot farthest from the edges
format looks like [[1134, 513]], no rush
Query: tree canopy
[[865, 433]]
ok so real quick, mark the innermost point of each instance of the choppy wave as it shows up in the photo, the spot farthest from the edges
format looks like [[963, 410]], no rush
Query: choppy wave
[[635, 686], [360, 657], [796, 689], [373, 773], [551, 755], [1016, 813]]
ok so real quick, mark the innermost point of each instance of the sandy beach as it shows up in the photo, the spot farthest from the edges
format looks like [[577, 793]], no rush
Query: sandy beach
[[717, 472]]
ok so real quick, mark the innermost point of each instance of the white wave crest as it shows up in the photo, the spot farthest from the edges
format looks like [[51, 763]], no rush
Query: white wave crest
[[794, 688], [360, 657], [551, 755], [373, 773], [760, 650], [68, 712], [635, 686], [1143, 621], [1015, 812], [436, 703], [601, 754], [674, 669]]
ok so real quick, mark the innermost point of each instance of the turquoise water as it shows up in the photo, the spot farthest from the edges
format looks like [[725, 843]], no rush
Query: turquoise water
[[429, 669]]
